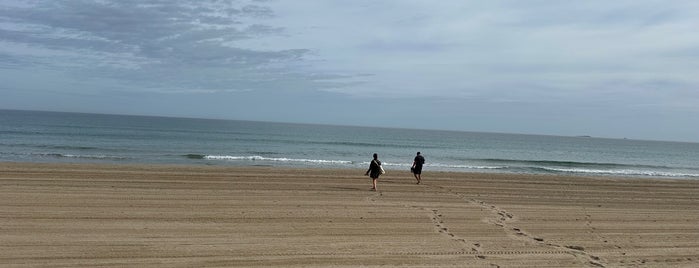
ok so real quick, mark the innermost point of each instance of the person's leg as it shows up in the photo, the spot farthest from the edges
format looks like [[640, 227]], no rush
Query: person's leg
[[418, 172], [373, 181]]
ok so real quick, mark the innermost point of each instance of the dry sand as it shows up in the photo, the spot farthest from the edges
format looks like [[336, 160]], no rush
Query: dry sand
[[65, 215]]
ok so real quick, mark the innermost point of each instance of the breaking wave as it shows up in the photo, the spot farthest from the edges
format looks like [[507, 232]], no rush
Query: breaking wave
[[269, 159], [75, 156]]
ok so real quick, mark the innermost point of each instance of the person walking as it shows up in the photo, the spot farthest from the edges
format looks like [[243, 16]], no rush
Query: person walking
[[417, 167], [374, 171]]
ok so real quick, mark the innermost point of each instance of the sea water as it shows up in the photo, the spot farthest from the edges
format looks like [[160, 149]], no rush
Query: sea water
[[30, 136]]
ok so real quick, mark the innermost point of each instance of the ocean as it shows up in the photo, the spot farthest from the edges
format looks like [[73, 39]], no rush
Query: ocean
[[32, 136]]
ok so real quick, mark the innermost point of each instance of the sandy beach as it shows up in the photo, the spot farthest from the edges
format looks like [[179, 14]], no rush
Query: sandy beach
[[70, 215]]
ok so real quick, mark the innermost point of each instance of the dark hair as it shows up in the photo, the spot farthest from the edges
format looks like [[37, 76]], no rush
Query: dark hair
[[418, 152], [376, 156]]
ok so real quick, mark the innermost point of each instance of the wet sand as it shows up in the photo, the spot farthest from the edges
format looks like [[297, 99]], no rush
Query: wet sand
[[67, 215]]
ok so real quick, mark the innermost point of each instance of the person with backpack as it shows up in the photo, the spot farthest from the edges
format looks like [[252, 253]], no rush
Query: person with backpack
[[374, 171], [417, 167]]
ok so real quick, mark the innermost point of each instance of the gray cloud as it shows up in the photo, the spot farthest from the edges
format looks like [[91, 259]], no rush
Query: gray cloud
[[134, 41], [478, 65]]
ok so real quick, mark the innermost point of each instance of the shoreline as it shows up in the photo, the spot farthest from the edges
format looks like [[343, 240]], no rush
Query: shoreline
[[67, 214], [390, 168]]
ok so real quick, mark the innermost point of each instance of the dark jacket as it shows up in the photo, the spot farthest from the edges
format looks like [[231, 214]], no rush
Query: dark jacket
[[374, 169]]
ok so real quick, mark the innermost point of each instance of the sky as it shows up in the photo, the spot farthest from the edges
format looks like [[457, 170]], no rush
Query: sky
[[616, 69]]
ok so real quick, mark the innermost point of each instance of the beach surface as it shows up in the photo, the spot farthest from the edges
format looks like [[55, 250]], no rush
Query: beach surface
[[90, 215]]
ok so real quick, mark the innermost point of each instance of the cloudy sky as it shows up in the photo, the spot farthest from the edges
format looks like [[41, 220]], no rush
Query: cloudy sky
[[624, 68]]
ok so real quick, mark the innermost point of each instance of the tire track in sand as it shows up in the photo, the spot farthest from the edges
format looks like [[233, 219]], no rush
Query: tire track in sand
[[467, 248], [503, 219], [499, 217]]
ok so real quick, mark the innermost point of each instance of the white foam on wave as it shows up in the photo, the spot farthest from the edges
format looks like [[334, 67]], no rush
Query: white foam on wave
[[466, 166], [100, 156], [624, 172], [455, 167], [274, 159], [443, 166]]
